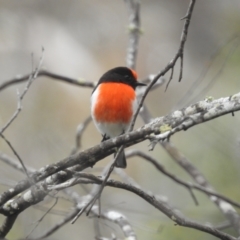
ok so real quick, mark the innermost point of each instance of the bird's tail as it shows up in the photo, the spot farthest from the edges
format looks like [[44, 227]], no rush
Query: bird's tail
[[121, 160]]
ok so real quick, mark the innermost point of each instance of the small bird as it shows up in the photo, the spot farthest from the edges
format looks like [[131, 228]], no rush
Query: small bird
[[113, 104]]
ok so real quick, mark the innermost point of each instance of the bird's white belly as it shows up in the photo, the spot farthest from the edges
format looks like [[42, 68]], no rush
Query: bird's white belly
[[111, 129]]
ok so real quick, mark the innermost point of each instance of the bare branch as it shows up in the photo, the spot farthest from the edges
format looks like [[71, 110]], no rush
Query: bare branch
[[189, 186], [119, 219], [80, 129], [171, 64], [179, 120], [146, 116], [187, 19], [58, 225], [213, 57], [174, 215], [44, 215], [14, 164], [54, 76], [111, 215], [124, 176], [198, 177], [18, 157], [163, 170], [134, 32], [98, 193], [219, 72], [223, 225], [7, 225], [31, 78]]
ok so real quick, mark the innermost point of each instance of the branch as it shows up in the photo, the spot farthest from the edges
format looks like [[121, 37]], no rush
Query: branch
[[30, 78], [18, 157], [207, 66], [177, 121], [7, 225], [227, 209], [184, 37], [80, 129], [175, 216], [53, 174], [189, 186], [95, 194], [120, 220], [14, 164], [58, 225], [171, 64], [134, 32], [44, 73], [80, 202], [110, 215], [41, 219], [230, 213]]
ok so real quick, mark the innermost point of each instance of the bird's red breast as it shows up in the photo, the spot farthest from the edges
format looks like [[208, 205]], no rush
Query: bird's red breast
[[114, 102]]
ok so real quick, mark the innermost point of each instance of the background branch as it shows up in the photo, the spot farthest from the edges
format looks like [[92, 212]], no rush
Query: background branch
[[164, 208], [226, 208], [45, 73], [31, 78]]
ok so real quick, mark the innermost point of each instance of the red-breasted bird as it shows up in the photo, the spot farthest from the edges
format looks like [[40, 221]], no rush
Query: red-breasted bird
[[113, 104]]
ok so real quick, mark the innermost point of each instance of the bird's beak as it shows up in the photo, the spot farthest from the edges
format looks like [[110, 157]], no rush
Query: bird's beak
[[141, 84]]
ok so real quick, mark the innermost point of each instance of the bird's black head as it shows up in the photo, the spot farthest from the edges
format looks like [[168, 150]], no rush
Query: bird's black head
[[121, 75]]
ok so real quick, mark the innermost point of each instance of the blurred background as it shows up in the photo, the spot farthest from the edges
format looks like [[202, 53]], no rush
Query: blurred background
[[83, 39]]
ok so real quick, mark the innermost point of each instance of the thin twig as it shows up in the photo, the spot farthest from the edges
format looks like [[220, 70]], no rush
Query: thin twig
[[149, 158], [54, 76], [80, 129], [44, 215], [218, 73], [98, 194], [195, 84], [175, 216], [171, 64], [220, 201], [110, 215], [31, 78], [183, 40], [58, 225], [189, 186], [223, 225], [14, 164], [19, 158]]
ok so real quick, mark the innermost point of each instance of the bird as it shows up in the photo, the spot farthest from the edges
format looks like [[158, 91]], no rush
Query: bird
[[113, 104]]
